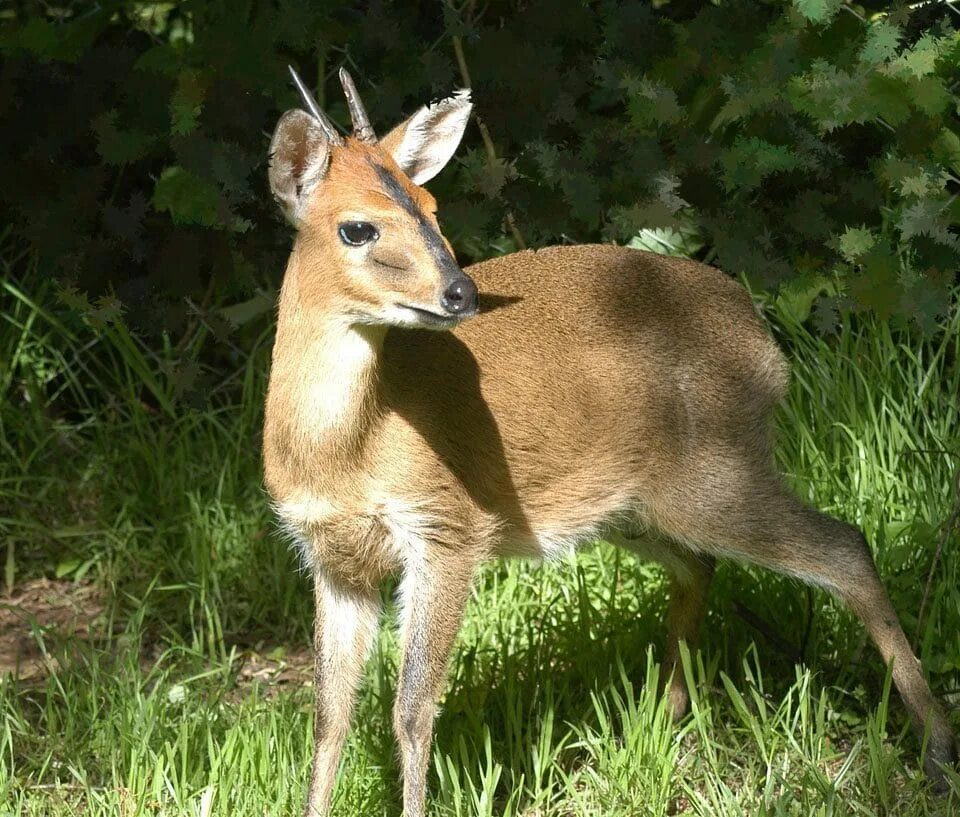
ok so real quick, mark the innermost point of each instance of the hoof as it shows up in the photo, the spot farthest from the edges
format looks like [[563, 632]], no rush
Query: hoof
[[941, 755]]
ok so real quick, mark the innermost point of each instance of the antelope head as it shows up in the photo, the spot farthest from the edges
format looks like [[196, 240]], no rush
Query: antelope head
[[369, 248]]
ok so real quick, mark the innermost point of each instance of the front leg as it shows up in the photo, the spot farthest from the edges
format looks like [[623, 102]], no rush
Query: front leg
[[433, 594], [345, 624]]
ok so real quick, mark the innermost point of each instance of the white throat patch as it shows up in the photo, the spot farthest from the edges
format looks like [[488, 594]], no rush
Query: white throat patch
[[334, 381]]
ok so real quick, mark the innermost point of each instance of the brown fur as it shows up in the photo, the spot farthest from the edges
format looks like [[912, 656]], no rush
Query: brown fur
[[600, 390]]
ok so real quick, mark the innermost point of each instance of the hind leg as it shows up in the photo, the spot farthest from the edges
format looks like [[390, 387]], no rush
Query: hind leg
[[771, 528], [689, 590], [690, 577]]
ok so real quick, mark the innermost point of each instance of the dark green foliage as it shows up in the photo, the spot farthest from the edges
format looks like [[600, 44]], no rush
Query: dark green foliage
[[810, 143]]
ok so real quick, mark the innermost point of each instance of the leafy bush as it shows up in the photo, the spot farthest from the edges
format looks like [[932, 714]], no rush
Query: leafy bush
[[811, 144]]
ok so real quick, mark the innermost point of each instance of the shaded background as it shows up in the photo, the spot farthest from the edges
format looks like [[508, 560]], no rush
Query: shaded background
[[813, 143]]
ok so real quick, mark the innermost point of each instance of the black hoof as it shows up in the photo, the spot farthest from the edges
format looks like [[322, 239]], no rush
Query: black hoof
[[940, 756]]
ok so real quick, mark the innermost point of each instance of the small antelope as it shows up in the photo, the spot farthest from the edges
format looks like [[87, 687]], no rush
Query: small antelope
[[595, 391]]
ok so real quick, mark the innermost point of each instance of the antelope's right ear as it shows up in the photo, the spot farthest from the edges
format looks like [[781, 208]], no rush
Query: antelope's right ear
[[299, 157]]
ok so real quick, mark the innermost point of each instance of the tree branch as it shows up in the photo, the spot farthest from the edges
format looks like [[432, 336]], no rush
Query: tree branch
[[485, 135]]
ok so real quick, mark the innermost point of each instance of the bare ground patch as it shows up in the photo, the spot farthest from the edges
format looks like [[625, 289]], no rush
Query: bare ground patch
[[40, 611], [276, 667]]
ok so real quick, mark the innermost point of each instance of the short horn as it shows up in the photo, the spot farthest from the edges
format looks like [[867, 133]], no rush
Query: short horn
[[322, 119], [362, 128]]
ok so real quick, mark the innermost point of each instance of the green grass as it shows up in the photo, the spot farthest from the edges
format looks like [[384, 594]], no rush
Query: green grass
[[551, 706]]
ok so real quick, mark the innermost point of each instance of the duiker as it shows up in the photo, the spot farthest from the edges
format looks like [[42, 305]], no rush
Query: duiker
[[609, 392]]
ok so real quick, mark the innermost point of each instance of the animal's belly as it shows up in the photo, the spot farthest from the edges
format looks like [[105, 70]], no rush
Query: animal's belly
[[618, 524]]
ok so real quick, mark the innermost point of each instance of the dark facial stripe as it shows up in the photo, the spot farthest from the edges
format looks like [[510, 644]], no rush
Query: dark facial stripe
[[445, 262]]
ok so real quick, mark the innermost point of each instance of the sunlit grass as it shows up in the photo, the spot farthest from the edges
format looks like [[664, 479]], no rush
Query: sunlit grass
[[551, 707]]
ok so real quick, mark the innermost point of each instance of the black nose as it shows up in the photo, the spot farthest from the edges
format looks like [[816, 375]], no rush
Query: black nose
[[460, 297]]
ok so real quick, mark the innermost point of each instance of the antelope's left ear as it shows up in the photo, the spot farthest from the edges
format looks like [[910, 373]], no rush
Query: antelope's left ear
[[425, 142]]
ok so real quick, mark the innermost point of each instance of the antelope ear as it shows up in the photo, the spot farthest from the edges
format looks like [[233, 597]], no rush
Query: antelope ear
[[299, 157], [425, 142]]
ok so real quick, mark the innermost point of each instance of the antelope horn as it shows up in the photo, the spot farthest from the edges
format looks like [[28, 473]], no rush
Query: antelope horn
[[322, 119], [362, 128]]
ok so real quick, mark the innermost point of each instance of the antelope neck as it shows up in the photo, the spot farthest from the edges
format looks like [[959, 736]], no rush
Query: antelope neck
[[328, 369]]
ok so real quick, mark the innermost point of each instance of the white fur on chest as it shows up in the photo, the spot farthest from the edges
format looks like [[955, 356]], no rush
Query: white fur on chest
[[407, 524]]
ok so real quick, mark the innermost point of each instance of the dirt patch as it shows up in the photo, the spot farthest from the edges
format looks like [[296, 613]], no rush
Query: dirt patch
[[276, 668], [39, 613]]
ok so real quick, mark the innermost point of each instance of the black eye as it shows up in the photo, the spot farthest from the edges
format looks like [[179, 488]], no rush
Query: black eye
[[356, 233]]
